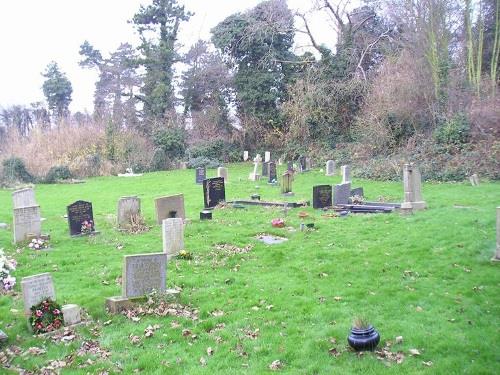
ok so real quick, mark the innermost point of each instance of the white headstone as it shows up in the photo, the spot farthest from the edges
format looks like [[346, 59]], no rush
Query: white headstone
[[267, 157], [127, 207], [245, 155], [23, 198], [35, 289], [412, 184], [330, 168], [222, 172], [346, 173], [474, 180], [173, 236], [27, 222]]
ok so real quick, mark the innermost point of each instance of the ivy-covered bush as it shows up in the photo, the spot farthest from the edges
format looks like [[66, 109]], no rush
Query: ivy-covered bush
[[60, 172], [14, 169], [216, 150]]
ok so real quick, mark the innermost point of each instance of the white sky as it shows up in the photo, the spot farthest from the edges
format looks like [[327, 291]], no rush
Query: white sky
[[35, 32]]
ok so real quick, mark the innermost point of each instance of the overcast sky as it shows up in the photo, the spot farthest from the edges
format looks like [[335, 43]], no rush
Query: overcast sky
[[35, 32]]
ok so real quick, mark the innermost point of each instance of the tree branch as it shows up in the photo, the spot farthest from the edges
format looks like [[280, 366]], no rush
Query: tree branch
[[308, 32]]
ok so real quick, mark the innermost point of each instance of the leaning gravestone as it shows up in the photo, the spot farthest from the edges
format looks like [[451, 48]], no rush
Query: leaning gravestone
[[412, 185], [169, 207], [265, 169], [346, 173], [128, 207], [272, 172], [80, 213], [27, 223], [201, 174], [330, 168], [322, 196], [223, 173], [341, 193], [143, 274], [24, 198], [35, 289], [173, 236], [214, 191], [286, 183]]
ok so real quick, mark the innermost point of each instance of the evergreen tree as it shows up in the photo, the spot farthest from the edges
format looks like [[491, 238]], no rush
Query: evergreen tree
[[57, 89]]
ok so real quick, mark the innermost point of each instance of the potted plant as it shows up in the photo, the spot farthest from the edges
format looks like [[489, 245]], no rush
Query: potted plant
[[363, 335]]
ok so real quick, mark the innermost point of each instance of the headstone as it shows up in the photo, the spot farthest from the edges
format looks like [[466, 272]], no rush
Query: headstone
[[78, 213], [302, 164], [497, 254], [169, 207], [254, 176], [3, 336], [272, 172], [412, 184], [27, 223], [308, 164], [346, 173], [127, 208], [474, 180], [341, 193], [267, 157], [143, 273], [357, 191], [222, 172], [286, 183], [330, 168], [214, 191], [322, 196], [245, 155], [71, 314], [35, 289], [205, 215], [173, 236], [24, 198], [265, 169], [201, 174]]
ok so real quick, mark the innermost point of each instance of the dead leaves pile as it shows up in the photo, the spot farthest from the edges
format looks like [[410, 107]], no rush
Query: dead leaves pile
[[163, 308]]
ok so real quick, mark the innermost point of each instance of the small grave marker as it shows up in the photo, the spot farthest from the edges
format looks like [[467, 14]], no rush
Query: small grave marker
[[497, 254], [346, 173], [286, 183], [223, 173], [254, 176], [412, 185], [24, 198], [265, 169], [201, 174], [245, 155], [267, 157]]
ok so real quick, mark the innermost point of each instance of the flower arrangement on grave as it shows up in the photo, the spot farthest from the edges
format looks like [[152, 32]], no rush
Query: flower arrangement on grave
[[357, 199], [38, 244], [278, 223], [46, 316], [7, 265], [184, 254], [87, 227]]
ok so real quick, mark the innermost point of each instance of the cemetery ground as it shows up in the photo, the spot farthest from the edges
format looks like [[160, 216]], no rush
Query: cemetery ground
[[426, 277]]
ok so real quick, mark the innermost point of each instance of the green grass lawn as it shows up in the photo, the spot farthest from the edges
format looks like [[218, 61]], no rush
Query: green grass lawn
[[426, 277]]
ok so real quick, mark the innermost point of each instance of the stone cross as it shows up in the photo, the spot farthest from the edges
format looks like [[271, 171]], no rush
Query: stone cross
[[222, 172], [127, 207], [412, 185], [497, 254], [173, 236], [330, 168], [267, 157], [254, 176], [346, 173]]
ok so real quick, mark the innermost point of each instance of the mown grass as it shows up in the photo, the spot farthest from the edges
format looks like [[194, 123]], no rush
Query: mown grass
[[426, 277]]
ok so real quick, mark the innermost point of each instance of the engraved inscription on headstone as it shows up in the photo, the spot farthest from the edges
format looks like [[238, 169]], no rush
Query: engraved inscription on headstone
[[169, 207], [78, 213], [35, 289], [272, 172], [322, 196], [127, 208], [173, 236], [144, 273], [201, 174], [214, 191]]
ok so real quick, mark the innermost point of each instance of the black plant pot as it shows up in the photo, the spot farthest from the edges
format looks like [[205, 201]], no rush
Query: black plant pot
[[363, 338]]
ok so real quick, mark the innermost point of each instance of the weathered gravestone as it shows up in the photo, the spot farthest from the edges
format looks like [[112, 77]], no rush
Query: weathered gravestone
[[245, 155], [341, 193], [35, 289], [346, 173], [265, 169], [143, 273], [80, 218], [474, 180], [330, 168], [223, 173], [254, 176], [272, 172], [169, 207], [173, 236], [308, 164], [412, 185], [286, 183], [214, 191], [302, 164], [27, 223], [357, 192], [496, 258], [201, 174], [128, 207], [24, 198], [289, 166], [267, 157], [322, 196]]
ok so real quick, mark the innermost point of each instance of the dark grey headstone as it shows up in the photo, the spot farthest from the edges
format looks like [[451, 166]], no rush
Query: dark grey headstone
[[302, 163], [201, 174], [322, 196], [214, 191], [78, 213], [357, 191], [265, 169], [272, 172], [341, 193]]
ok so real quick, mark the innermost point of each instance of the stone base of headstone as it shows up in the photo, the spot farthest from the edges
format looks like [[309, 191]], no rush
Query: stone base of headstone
[[71, 314], [416, 206], [3, 337], [406, 211], [289, 194], [115, 305], [86, 234], [495, 259]]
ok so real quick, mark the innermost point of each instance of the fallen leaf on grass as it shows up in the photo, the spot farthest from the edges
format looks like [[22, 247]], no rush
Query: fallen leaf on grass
[[217, 313], [203, 361], [334, 352], [34, 351], [107, 323], [419, 309], [186, 332], [414, 352], [399, 339], [252, 335], [276, 365], [337, 298], [428, 363], [210, 351], [134, 339], [175, 324]]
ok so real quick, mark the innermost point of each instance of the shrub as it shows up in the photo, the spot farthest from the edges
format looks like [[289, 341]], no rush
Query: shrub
[[171, 140], [159, 160], [216, 150], [453, 131], [203, 162], [60, 172], [14, 169]]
